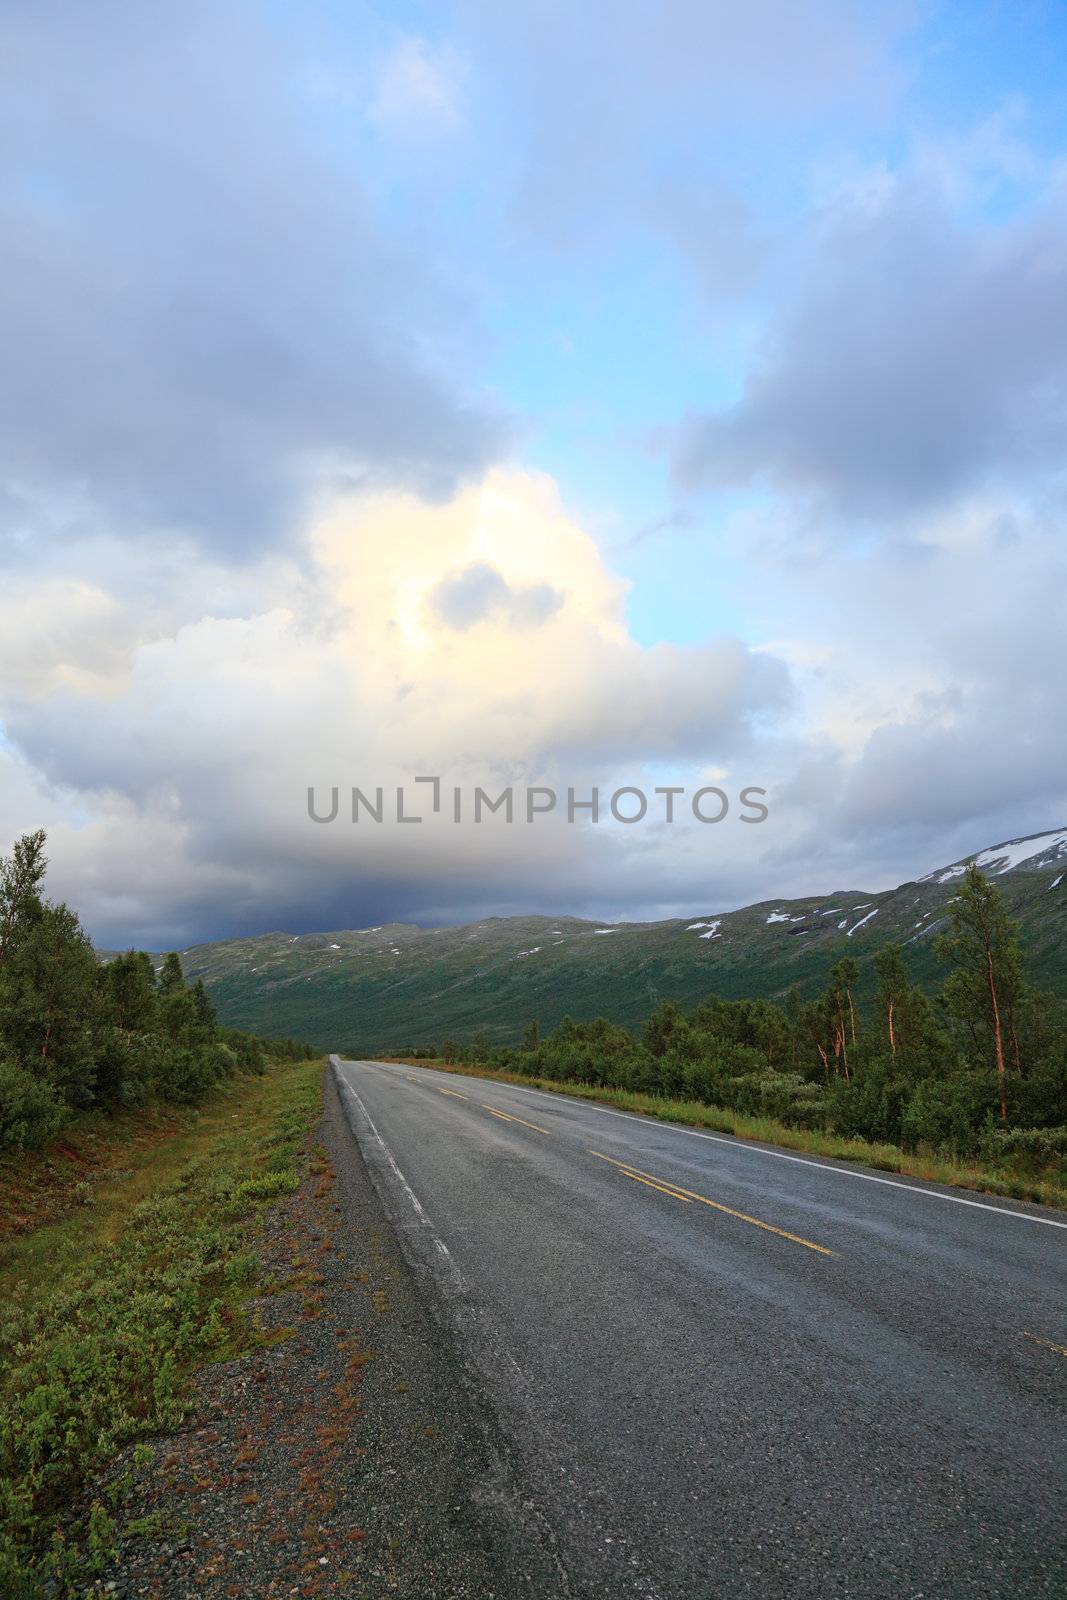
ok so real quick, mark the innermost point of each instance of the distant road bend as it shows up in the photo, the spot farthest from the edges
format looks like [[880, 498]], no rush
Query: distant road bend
[[728, 1371]]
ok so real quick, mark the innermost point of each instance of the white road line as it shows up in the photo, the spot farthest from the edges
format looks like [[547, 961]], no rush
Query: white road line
[[416, 1203], [779, 1155]]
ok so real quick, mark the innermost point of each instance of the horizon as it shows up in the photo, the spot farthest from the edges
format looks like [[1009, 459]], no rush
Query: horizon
[[545, 916]]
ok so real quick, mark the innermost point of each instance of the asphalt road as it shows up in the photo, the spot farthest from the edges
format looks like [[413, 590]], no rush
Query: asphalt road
[[724, 1371]]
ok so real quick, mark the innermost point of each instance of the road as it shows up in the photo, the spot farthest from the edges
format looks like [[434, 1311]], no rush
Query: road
[[727, 1371]]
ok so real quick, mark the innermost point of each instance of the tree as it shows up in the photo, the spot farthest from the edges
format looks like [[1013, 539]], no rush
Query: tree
[[531, 1035], [49, 998], [986, 987], [21, 876], [171, 977], [893, 987], [816, 1023], [77, 1033], [660, 1027], [843, 978], [847, 974], [203, 1010], [481, 1046], [129, 989], [793, 1007]]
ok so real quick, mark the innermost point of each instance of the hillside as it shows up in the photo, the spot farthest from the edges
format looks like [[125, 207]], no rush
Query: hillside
[[397, 984]]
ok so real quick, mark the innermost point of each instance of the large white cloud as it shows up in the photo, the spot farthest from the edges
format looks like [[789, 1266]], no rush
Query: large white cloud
[[209, 735], [910, 711]]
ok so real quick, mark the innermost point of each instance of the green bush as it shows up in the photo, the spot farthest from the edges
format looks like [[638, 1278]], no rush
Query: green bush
[[949, 1114], [1042, 1145], [31, 1112], [787, 1096], [871, 1106]]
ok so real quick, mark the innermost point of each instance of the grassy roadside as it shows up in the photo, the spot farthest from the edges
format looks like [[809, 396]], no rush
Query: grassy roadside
[[1045, 1189], [38, 1187], [109, 1307]]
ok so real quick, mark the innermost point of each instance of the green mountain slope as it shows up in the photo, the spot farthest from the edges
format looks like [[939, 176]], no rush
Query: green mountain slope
[[374, 989]]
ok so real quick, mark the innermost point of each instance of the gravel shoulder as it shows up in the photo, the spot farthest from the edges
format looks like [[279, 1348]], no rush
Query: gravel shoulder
[[353, 1457]]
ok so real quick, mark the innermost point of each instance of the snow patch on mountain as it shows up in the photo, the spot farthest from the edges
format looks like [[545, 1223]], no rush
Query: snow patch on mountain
[[1001, 858]]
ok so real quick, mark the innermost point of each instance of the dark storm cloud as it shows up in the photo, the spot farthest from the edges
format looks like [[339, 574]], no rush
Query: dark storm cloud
[[925, 356], [200, 315]]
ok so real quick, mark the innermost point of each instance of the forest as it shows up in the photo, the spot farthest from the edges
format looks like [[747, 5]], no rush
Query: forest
[[977, 1069], [79, 1034]]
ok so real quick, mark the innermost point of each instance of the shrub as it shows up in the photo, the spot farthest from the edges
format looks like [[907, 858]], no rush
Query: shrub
[[787, 1096], [870, 1107], [949, 1113], [248, 1054], [264, 1186], [31, 1112], [1036, 1144]]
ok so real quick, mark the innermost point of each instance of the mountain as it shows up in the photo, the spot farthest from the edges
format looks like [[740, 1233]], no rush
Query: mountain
[[373, 989]]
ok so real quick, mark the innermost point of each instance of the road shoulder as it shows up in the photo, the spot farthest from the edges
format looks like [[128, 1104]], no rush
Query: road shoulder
[[348, 1458]]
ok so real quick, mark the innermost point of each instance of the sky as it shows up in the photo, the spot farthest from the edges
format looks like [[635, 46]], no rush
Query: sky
[[620, 395]]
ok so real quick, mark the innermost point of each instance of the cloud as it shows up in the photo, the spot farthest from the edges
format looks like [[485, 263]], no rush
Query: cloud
[[417, 90], [934, 719], [607, 99], [923, 357], [479, 592], [913, 714], [242, 396], [480, 638], [204, 320], [58, 632]]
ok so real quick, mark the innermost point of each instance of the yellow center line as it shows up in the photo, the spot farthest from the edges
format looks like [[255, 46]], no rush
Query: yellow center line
[[505, 1116], [662, 1189], [688, 1194], [1048, 1344], [453, 1092]]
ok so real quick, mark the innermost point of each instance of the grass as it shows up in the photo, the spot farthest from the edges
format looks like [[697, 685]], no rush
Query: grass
[[934, 1168], [37, 1187], [113, 1303]]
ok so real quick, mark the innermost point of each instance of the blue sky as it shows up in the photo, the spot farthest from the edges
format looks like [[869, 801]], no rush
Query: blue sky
[[734, 337]]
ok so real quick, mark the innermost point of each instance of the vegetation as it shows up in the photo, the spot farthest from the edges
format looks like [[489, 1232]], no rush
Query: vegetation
[[76, 1034], [397, 985], [979, 1072], [122, 1290], [108, 1311]]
